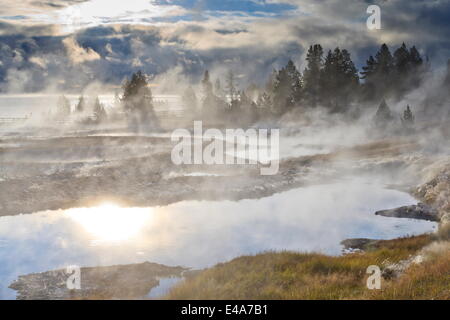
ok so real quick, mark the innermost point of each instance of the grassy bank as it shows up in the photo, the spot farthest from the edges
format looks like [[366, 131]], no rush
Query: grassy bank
[[289, 275]]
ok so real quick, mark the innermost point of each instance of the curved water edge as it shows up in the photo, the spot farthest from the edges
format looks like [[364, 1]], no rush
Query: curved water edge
[[200, 234]]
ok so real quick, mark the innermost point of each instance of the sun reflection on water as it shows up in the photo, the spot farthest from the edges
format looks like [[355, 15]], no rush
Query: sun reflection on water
[[109, 222]]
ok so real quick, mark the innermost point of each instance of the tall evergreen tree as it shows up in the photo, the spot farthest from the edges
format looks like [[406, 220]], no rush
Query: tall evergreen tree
[[218, 90], [378, 73], [264, 101], [81, 105], [296, 82], [368, 75], [138, 103], [231, 86], [384, 115], [207, 85], [99, 111], [384, 68], [339, 80], [408, 117], [417, 68], [287, 89], [271, 82], [311, 75], [402, 60]]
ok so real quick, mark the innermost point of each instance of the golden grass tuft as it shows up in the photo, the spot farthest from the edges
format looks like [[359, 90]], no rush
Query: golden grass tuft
[[290, 275]]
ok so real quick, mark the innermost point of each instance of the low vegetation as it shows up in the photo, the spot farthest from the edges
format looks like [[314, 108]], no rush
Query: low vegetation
[[289, 275]]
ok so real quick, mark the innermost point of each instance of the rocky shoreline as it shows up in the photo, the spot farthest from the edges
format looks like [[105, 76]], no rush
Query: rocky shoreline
[[132, 281], [419, 211]]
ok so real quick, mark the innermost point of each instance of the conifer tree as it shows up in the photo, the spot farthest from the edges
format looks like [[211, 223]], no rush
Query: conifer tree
[[99, 112], [408, 117], [138, 103], [311, 75], [81, 105], [384, 115]]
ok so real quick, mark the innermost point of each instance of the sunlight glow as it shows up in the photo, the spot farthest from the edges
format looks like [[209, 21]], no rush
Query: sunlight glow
[[97, 12], [109, 222]]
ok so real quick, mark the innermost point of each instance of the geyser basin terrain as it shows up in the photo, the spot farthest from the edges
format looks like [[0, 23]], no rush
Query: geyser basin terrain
[[199, 234]]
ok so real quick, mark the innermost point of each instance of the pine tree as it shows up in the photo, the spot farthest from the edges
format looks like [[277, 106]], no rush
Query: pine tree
[[339, 79], [417, 68], [311, 75], [402, 60], [270, 85], [384, 69], [415, 57], [287, 90], [207, 85], [384, 115], [369, 70], [138, 103], [81, 105], [218, 90], [350, 84], [264, 101], [296, 82], [378, 74], [231, 85], [408, 117], [99, 111]]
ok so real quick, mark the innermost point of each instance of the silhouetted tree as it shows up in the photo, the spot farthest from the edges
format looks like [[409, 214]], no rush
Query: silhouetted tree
[[99, 112], [384, 115], [311, 75], [384, 68], [206, 84], [231, 86], [264, 101], [368, 75], [138, 103], [218, 90], [392, 75], [379, 72], [339, 80], [81, 105], [408, 117], [271, 82], [287, 89]]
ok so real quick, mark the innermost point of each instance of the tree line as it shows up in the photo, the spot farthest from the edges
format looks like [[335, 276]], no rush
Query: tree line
[[329, 80]]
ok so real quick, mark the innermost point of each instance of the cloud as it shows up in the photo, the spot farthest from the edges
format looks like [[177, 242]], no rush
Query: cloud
[[185, 37], [78, 54], [11, 8]]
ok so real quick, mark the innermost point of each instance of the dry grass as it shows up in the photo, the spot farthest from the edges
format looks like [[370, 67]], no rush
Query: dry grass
[[289, 275]]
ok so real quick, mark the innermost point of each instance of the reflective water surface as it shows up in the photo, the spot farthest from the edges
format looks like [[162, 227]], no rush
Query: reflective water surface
[[199, 234]]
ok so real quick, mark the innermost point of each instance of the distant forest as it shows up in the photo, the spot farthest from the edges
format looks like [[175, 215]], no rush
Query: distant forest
[[330, 81]]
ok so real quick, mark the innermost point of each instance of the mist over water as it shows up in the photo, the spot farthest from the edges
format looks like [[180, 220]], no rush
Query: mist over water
[[199, 234]]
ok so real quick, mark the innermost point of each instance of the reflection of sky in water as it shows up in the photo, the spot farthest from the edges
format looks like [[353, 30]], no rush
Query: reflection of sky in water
[[200, 233]]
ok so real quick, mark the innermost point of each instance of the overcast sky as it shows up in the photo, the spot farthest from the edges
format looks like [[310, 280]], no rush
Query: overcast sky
[[73, 42]]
